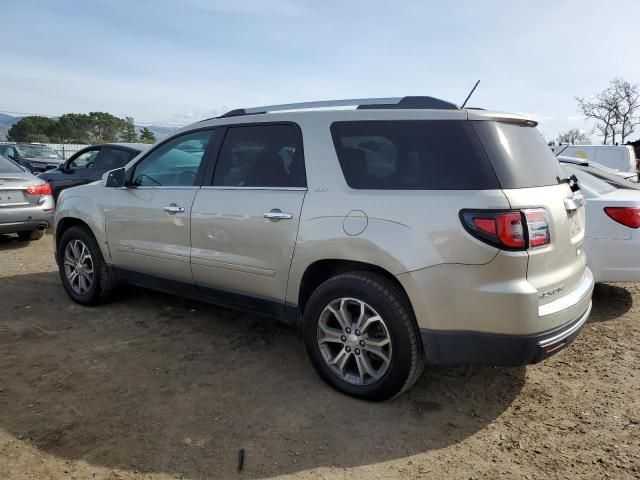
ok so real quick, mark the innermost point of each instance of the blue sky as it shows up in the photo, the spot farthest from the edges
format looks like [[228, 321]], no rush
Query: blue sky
[[177, 61]]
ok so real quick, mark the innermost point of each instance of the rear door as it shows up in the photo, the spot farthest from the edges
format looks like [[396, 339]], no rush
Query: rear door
[[531, 178], [149, 222], [245, 223]]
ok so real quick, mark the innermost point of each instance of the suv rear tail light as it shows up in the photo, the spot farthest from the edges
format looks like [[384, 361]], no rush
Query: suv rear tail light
[[508, 229], [44, 189], [627, 216]]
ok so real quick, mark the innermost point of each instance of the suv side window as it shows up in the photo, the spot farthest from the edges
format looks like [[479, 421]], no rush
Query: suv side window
[[84, 160], [114, 158], [174, 163], [267, 155], [412, 155]]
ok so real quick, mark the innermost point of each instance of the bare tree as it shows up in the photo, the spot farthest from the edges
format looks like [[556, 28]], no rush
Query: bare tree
[[615, 110], [628, 103], [573, 137]]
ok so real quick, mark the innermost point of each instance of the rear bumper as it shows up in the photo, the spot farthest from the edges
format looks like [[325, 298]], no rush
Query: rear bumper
[[21, 219], [614, 260], [463, 348]]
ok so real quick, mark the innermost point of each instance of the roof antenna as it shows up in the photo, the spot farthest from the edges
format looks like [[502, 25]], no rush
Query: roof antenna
[[470, 93]]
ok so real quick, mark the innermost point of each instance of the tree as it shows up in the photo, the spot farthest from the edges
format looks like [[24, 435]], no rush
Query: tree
[[147, 136], [129, 131], [73, 127], [615, 110], [31, 129], [573, 137], [628, 105], [104, 127]]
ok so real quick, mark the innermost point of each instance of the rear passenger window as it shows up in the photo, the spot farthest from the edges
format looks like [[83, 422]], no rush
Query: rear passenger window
[[261, 156], [412, 155], [112, 158]]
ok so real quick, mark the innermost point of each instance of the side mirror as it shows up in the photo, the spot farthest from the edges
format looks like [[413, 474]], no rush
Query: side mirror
[[115, 178]]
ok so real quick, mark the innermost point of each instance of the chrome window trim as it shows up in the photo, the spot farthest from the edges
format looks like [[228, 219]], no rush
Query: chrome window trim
[[166, 187], [220, 187]]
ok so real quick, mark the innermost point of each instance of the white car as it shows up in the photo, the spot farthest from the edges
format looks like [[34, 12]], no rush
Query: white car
[[612, 239], [618, 157], [599, 168]]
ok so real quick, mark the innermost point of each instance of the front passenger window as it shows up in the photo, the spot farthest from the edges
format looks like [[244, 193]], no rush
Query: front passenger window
[[174, 163], [84, 160]]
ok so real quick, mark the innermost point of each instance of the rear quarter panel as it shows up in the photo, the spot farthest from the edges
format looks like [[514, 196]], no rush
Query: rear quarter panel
[[401, 231]]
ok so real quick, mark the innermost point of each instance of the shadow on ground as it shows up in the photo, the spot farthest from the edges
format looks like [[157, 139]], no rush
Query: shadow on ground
[[11, 242], [610, 301], [154, 383]]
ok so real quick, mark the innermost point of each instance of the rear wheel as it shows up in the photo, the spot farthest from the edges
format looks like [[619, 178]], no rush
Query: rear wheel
[[362, 337], [83, 271], [29, 235]]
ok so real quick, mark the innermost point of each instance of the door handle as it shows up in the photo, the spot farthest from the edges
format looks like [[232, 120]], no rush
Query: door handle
[[173, 209], [277, 214]]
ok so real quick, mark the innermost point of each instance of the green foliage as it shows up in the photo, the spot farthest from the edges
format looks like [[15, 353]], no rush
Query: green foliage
[[32, 129], [95, 127], [147, 136], [129, 133]]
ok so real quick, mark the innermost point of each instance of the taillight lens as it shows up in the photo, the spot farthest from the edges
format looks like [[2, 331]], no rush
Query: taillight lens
[[510, 229], [44, 189], [537, 227], [627, 216]]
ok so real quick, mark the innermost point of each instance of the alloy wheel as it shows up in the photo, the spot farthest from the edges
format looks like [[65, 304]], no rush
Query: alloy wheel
[[354, 341], [78, 266]]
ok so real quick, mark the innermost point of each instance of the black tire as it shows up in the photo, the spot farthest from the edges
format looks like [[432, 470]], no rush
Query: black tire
[[29, 235], [103, 281], [408, 359]]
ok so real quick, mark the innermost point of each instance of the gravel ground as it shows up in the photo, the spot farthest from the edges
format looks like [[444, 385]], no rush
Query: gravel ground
[[152, 386]]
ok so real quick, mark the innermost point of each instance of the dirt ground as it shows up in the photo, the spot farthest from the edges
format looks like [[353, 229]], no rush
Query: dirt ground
[[152, 387]]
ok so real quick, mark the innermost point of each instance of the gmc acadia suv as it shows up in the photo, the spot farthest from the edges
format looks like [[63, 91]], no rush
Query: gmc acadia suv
[[402, 232]]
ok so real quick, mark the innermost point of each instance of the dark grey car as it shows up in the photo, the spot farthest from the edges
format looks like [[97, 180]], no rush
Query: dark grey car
[[26, 202], [34, 156], [90, 163]]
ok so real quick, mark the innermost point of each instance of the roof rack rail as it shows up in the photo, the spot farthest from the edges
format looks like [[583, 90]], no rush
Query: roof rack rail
[[359, 103]]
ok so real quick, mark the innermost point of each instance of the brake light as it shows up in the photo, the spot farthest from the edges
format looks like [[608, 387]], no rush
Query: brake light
[[537, 227], [627, 216], [43, 189], [508, 229]]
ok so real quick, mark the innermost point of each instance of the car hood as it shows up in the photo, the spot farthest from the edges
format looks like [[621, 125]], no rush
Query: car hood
[[57, 161]]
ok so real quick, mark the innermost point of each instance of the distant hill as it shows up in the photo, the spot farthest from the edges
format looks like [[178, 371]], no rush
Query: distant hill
[[7, 120]]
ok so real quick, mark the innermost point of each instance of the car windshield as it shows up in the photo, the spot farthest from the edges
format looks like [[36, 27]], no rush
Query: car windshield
[[37, 151], [7, 166], [589, 181]]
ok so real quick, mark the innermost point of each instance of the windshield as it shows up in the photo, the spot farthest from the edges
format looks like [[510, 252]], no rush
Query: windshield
[[37, 151], [588, 181], [7, 166]]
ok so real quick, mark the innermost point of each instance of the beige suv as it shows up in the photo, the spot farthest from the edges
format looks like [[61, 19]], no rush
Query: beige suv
[[397, 233]]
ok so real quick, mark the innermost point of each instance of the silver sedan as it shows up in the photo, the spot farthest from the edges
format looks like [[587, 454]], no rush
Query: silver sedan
[[26, 202]]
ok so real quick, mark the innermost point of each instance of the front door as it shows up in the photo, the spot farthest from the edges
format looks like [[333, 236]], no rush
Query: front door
[[244, 226], [148, 223]]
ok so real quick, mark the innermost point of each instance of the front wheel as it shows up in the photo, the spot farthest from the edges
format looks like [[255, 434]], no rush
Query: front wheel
[[361, 336], [83, 271]]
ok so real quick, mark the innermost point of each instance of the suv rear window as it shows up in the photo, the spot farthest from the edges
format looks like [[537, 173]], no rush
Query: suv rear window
[[519, 155], [412, 155]]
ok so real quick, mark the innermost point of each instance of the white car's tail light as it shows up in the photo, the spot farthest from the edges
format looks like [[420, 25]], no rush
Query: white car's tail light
[[627, 216]]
